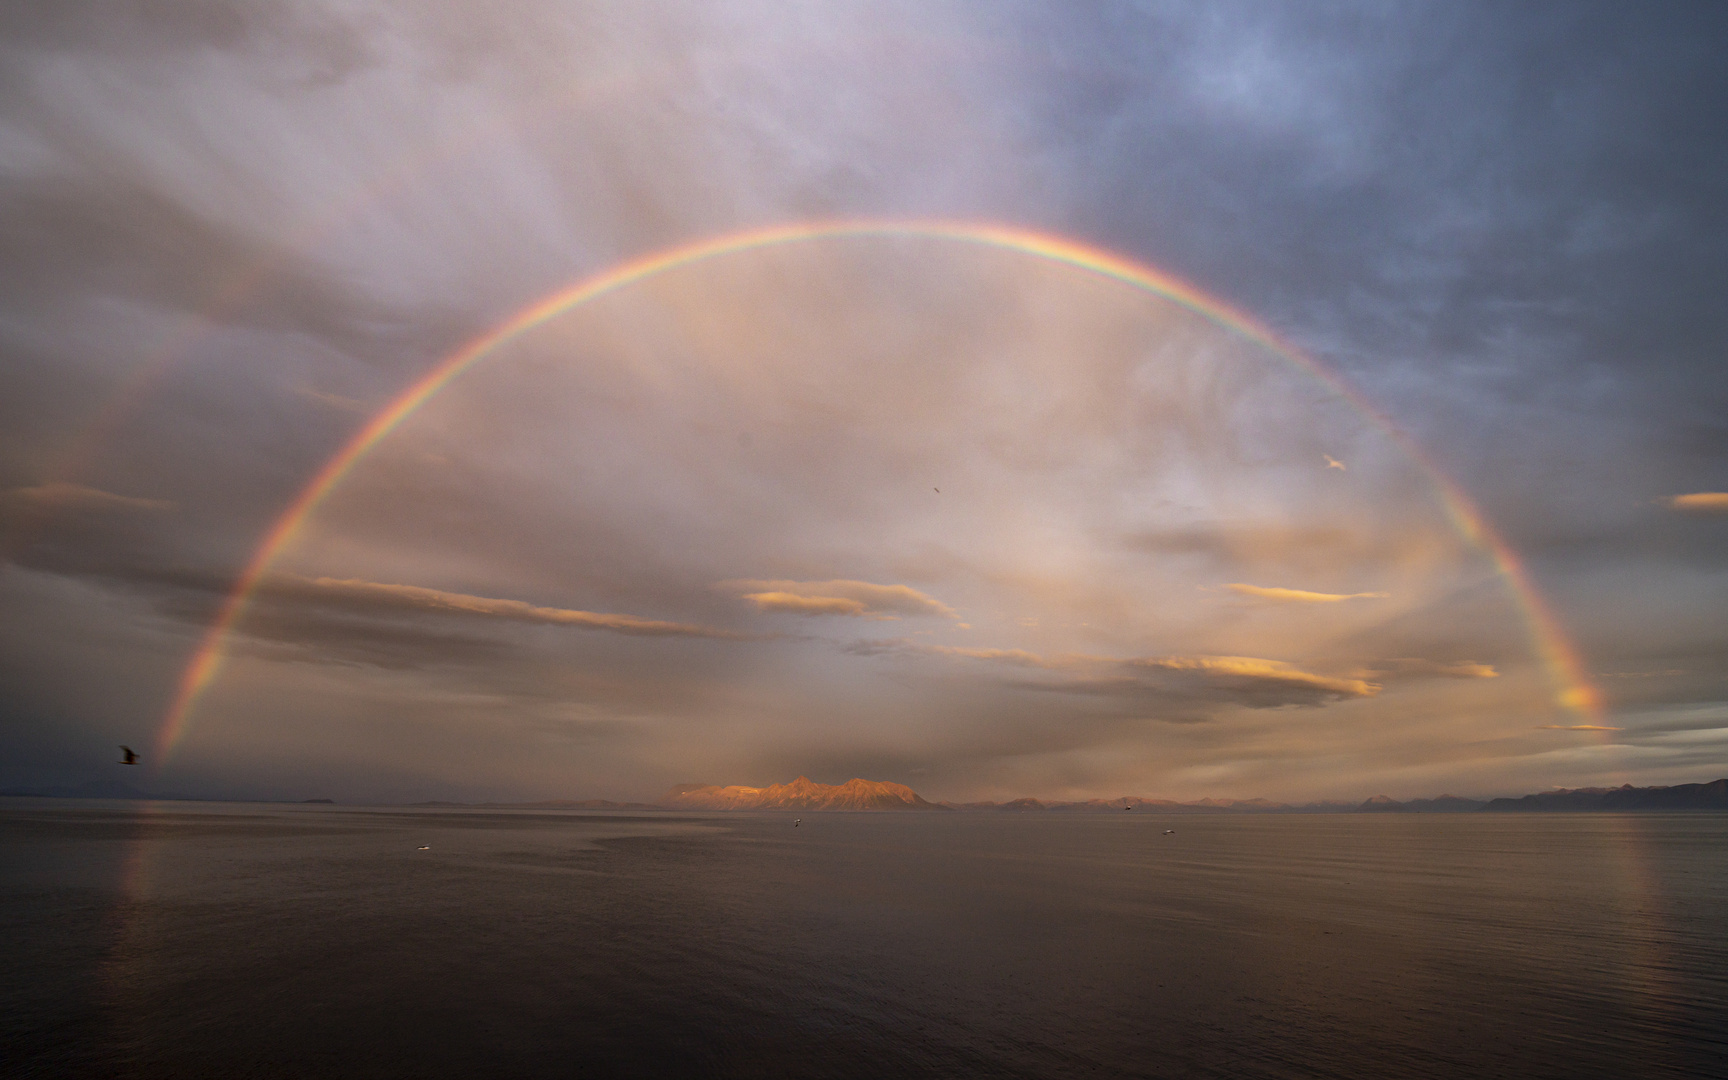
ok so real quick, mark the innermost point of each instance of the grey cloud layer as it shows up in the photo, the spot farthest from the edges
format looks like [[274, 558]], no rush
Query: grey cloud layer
[[418, 598], [227, 234], [1243, 680]]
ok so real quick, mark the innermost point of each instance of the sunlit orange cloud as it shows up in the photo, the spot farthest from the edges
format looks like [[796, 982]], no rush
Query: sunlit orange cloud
[[423, 599], [1250, 667], [1701, 502], [838, 597], [1456, 669], [64, 496], [1300, 596], [1576, 727], [805, 605]]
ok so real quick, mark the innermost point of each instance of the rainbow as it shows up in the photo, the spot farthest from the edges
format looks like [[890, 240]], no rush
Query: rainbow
[[1574, 689]]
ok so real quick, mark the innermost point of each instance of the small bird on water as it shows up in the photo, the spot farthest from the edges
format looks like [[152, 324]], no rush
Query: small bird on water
[[1169, 832], [797, 821], [128, 756]]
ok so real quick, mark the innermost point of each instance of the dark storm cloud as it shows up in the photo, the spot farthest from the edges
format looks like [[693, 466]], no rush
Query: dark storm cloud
[[1458, 169], [1498, 219]]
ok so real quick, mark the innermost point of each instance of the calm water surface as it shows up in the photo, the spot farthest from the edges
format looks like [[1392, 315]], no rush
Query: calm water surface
[[207, 940]]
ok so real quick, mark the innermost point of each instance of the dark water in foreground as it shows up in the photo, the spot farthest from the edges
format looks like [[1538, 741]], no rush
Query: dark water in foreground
[[202, 940]]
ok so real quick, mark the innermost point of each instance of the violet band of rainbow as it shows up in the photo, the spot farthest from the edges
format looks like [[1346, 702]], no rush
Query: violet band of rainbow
[[1573, 689]]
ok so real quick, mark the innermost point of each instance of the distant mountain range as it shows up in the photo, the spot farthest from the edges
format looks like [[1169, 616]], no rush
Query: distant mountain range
[[1712, 796], [1442, 804]]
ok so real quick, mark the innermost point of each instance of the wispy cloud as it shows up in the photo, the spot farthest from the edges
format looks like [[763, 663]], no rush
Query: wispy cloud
[[806, 605], [63, 496], [1252, 669], [1451, 669], [334, 401], [1244, 679], [419, 598], [1005, 656], [1576, 727], [1300, 596], [838, 597], [1701, 502], [1014, 657]]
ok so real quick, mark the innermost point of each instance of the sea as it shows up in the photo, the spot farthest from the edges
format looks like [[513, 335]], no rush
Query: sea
[[190, 940]]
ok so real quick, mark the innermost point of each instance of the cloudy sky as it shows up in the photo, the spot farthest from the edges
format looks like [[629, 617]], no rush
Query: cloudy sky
[[899, 506]]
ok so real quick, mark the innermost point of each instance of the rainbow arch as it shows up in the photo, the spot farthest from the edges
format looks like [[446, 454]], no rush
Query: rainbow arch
[[1574, 690]]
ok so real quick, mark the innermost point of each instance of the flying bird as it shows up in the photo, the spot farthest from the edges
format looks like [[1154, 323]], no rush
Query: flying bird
[[128, 756], [797, 821], [1334, 463], [937, 490]]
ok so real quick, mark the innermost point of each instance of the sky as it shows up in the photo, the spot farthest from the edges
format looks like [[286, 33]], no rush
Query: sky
[[1300, 401]]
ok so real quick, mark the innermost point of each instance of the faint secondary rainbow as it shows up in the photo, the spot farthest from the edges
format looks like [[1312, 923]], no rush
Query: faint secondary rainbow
[[1575, 691]]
